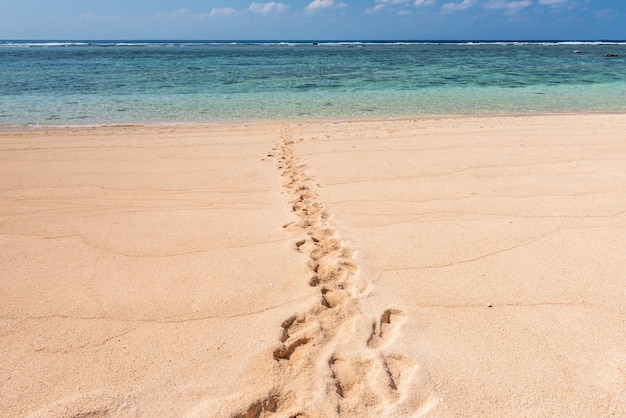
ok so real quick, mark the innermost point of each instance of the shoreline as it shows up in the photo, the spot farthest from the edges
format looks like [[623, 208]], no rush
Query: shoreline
[[445, 266], [261, 122]]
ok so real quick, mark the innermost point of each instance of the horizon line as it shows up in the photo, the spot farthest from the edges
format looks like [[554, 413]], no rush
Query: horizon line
[[312, 40]]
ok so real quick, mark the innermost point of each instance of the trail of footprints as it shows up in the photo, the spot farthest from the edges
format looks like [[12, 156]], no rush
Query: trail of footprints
[[332, 359]]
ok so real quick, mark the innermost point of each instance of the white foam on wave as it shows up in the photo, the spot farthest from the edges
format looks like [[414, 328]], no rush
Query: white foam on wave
[[40, 44], [56, 44]]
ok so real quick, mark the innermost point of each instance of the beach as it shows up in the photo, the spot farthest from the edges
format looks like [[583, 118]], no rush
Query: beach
[[435, 266]]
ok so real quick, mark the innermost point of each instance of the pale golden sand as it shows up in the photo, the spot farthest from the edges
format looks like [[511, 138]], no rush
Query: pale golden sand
[[439, 267]]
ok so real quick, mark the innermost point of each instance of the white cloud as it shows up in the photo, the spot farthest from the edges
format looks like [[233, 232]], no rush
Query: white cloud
[[267, 8], [323, 4], [453, 7], [222, 11], [399, 4], [553, 2], [259, 8], [508, 5], [184, 13], [381, 4], [560, 5]]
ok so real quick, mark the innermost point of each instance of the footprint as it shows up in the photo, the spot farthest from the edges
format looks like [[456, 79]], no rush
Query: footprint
[[369, 386], [326, 247], [285, 351], [399, 369], [387, 328], [415, 394], [298, 206], [349, 376], [390, 321], [294, 325], [332, 298], [286, 325], [257, 409], [315, 281], [304, 245], [332, 273]]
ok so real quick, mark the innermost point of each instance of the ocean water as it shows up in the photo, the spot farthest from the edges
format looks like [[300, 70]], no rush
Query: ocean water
[[92, 83]]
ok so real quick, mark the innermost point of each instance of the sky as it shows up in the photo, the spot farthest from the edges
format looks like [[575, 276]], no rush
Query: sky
[[314, 19]]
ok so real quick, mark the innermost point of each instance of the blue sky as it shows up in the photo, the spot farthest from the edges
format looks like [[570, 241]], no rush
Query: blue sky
[[313, 19]]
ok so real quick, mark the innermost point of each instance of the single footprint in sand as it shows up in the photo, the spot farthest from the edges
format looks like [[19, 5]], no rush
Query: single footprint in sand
[[332, 298], [298, 331], [386, 329], [262, 407], [349, 375], [285, 351], [305, 245]]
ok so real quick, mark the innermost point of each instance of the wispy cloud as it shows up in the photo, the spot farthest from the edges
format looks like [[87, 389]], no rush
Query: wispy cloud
[[392, 1], [173, 14], [508, 5], [454, 7], [267, 8], [382, 4], [221, 11], [402, 7], [254, 7], [605, 14], [186, 14], [324, 4], [554, 3]]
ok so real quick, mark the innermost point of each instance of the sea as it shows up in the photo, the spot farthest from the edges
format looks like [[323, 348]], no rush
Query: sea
[[69, 83]]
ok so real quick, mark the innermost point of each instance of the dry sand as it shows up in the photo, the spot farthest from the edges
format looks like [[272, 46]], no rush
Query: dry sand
[[438, 267]]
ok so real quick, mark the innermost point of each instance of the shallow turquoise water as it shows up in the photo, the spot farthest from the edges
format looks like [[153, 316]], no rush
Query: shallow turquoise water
[[67, 83]]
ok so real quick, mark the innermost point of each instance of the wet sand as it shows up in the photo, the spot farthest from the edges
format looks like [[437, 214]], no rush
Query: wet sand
[[458, 266]]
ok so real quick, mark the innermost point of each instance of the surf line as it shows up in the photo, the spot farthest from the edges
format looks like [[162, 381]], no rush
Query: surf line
[[332, 359]]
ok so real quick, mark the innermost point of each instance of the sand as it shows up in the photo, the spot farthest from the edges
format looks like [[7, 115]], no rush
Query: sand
[[457, 266]]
